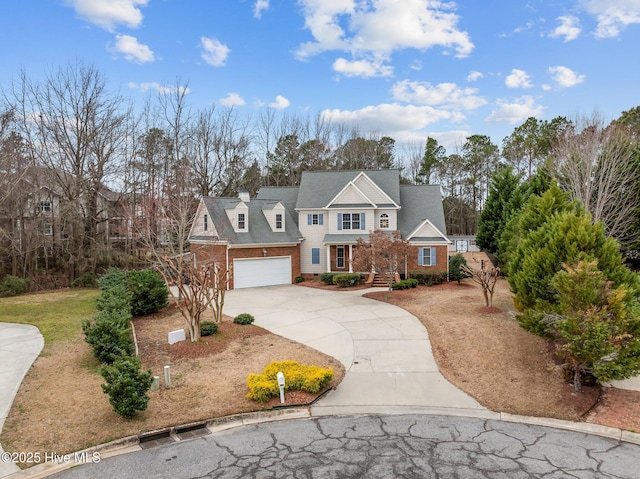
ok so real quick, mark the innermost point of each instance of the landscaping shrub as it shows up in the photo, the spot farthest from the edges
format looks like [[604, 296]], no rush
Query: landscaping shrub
[[115, 298], [327, 278], [208, 328], [87, 280], [148, 290], [405, 284], [344, 280], [299, 279], [244, 318], [455, 263], [126, 386], [108, 338], [428, 278], [112, 277], [12, 286], [298, 377]]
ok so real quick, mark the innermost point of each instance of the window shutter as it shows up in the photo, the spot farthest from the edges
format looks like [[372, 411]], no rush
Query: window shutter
[[309, 220], [315, 255], [433, 256], [320, 219], [339, 221], [420, 257], [362, 223]]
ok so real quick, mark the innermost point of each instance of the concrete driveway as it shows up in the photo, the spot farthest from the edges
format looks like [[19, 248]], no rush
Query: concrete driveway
[[385, 350], [20, 345]]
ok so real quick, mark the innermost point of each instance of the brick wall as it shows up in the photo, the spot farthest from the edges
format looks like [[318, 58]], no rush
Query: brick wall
[[442, 259]]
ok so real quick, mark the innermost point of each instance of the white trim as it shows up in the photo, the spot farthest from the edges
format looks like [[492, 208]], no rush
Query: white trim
[[362, 173], [422, 225], [351, 184]]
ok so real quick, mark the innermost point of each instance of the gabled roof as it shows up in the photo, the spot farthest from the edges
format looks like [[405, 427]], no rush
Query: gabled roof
[[319, 188], [287, 195], [259, 231], [420, 203]]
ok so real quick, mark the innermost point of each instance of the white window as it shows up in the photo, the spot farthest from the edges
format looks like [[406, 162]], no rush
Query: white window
[[241, 221], [340, 257], [384, 221], [351, 221], [278, 221], [426, 257], [45, 206], [315, 219], [47, 229]]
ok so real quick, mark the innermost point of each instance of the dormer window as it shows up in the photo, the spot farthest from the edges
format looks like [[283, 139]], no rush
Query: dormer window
[[241, 221], [384, 221], [278, 221], [205, 224], [45, 206]]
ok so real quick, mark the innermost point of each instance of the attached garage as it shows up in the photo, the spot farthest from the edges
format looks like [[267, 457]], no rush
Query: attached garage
[[253, 272]]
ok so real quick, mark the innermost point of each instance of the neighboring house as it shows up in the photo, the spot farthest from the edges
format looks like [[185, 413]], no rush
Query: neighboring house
[[312, 229], [463, 244]]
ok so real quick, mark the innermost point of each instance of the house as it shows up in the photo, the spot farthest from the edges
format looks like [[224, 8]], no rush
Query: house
[[304, 231]]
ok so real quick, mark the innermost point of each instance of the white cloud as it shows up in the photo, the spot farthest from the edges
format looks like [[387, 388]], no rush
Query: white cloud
[[446, 95], [515, 112], [160, 89], [132, 50], [569, 28], [612, 15], [379, 28], [362, 68], [565, 77], [215, 53], [280, 103], [474, 76], [259, 7], [518, 79], [392, 118], [232, 99], [109, 13], [416, 65]]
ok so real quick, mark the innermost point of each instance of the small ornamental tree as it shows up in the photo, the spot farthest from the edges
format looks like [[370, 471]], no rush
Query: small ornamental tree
[[384, 253], [455, 268], [199, 287], [598, 325], [486, 278]]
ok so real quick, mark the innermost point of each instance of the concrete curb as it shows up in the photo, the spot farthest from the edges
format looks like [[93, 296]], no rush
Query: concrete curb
[[132, 443]]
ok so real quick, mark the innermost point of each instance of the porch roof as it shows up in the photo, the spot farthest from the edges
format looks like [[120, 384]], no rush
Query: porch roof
[[344, 238]]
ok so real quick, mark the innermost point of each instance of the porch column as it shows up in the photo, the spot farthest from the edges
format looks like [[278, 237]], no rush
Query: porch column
[[350, 258], [328, 258]]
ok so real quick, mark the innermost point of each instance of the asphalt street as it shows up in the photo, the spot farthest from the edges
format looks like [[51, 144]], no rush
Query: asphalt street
[[378, 446]]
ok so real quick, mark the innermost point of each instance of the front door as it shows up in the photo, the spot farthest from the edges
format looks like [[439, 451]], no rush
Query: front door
[[339, 257]]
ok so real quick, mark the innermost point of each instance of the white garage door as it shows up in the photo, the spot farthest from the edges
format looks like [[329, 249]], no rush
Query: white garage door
[[249, 273]]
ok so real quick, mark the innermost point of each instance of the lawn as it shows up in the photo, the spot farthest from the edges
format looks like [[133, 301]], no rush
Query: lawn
[[58, 315]]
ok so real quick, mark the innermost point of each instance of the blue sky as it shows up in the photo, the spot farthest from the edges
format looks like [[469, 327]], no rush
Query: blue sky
[[404, 68]]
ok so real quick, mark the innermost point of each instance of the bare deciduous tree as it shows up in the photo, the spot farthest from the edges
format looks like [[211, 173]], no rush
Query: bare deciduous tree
[[595, 163], [486, 277]]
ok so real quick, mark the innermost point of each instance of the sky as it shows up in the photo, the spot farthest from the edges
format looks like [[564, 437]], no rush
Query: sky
[[408, 69]]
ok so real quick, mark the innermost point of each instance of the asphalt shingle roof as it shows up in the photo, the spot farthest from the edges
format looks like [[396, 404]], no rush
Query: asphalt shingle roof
[[420, 202]]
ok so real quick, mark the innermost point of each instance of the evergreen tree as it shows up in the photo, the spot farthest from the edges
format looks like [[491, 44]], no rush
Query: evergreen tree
[[497, 210], [599, 325]]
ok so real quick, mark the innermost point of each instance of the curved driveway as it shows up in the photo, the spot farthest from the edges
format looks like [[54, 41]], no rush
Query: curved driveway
[[385, 350]]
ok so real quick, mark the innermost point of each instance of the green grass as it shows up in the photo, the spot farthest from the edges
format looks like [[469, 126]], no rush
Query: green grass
[[58, 315]]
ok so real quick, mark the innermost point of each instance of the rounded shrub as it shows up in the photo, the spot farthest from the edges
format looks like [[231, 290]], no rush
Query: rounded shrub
[[126, 386], [299, 279], [208, 328], [13, 286], [149, 292], [244, 318]]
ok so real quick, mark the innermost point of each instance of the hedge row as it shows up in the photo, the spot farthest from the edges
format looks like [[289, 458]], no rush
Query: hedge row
[[428, 278]]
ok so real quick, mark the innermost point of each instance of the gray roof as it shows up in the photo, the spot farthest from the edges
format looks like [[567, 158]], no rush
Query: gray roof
[[318, 188], [420, 202], [344, 238], [287, 195], [259, 231]]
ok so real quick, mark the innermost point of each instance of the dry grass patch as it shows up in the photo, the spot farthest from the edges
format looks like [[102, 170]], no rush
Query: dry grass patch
[[61, 407]]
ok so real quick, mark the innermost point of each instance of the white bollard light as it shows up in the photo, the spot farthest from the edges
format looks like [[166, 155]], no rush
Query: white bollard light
[[167, 377], [280, 377]]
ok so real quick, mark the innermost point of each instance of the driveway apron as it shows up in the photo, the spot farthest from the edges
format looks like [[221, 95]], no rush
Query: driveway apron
[[385, 350]]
